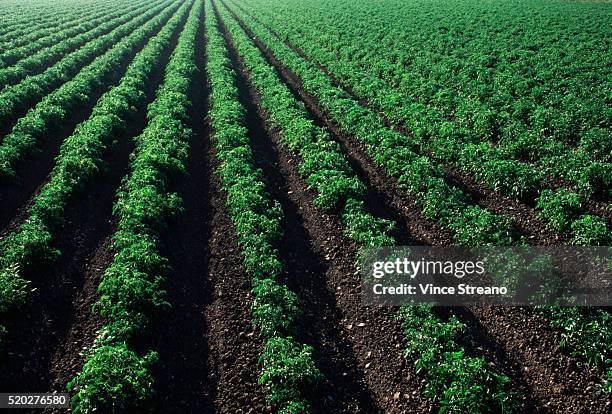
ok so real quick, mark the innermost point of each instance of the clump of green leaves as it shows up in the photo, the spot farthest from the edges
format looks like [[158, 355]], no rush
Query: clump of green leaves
[[274, 308], [458, 382], [586, 332], [590, 230], [364, 228], [13, 288], [114, 379], [287, 372], [559, 208]]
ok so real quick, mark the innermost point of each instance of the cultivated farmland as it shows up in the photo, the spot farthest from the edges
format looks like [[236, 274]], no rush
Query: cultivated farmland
[[186, 187]]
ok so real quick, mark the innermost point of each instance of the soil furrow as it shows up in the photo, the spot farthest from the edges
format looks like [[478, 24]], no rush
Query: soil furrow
[[558, 382], [235, 346], [180, 334]]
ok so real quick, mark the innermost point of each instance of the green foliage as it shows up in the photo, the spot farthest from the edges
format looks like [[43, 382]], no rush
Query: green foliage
[[295, 407], [591, 230], [70, 47], [395, 152], [114, 379], [67, 85], [326, 171], [31, 243], [459, 383], [131, 287], [511, 178], [364, 228], [478, 227], [586, 332], [288, 367], [12, 288], [482, 387], [559, 208], [274, 308], [287, 370], [80, 157], [470, 113], [597, 141]]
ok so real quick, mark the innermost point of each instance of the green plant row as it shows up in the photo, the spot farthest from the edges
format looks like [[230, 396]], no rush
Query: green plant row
[[418, 175], [26, 46], [445, 141], [288, 368], [80, 160], [19, 21], [458, 91], [590, 327], [391, 150], [33, 33], [433, 135], [56, 107], [117, 375], [465, 382], [29, 90], [64, 59]]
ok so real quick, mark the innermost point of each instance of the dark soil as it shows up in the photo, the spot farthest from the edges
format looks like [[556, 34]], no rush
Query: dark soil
[[558, 382], [234, 343]]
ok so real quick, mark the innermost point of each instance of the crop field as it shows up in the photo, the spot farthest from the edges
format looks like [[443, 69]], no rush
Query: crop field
[[187, 186]]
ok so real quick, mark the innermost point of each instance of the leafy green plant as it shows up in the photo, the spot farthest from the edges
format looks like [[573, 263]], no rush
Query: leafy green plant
[[585, 332], [274, 307], [559, 208], [591, 230], [113, 379], [287, 369], [364, 228], [459, 383]]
